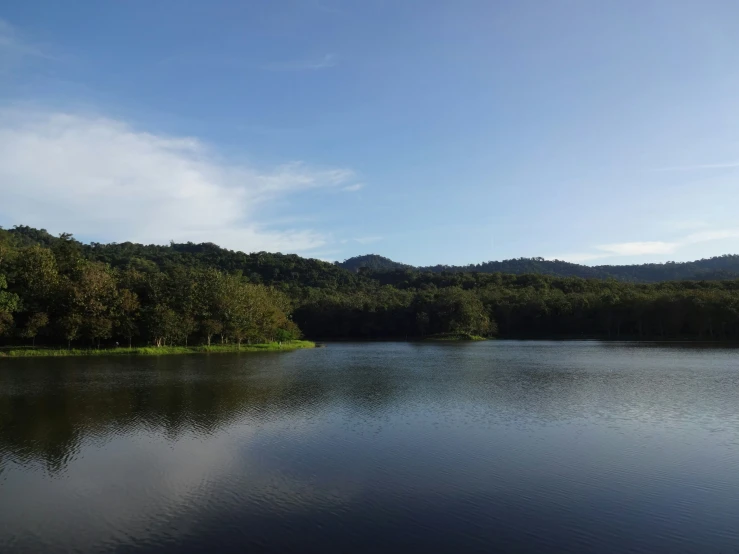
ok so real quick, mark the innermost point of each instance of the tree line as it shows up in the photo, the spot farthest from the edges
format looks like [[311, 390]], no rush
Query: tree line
[[715, 269], [60, 296], [59, 290]]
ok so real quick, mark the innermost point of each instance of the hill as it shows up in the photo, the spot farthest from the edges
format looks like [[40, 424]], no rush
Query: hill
[[710, 269], [372, 262], [59, 291]]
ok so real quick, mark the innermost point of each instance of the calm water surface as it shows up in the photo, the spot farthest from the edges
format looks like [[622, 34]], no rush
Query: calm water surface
[[514, 446]]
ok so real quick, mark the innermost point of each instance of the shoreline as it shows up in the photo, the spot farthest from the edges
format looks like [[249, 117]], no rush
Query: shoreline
[[534, 338], [21, 352]]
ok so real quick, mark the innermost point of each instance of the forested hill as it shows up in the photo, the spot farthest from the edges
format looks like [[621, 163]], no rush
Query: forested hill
[[372, 262], [711, 269], [59, 291], [257, 267], [265, 267]]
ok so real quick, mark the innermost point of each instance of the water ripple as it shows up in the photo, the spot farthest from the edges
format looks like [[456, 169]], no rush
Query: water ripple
[[546, 447]]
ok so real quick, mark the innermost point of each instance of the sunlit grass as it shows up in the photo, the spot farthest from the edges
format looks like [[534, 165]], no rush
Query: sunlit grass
[[26, 352]]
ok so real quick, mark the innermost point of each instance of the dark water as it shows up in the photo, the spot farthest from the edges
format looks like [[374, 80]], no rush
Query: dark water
[[507, 446]]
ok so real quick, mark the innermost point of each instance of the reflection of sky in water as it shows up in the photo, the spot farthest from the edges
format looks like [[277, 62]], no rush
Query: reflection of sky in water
[[535, 445]]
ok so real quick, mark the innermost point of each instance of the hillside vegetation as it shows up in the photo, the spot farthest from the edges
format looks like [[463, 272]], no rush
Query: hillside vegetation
[[713, 269], [56, 291]]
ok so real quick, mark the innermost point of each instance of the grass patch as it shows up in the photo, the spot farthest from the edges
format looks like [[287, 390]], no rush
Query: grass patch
[[455, 337], [24, 352]]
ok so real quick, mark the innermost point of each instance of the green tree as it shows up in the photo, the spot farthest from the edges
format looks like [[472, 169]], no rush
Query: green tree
[[92, 295], [34, 324], [162, 324], [36, 277], [127, 314], [211, 327], [70, 326], [9, 303]]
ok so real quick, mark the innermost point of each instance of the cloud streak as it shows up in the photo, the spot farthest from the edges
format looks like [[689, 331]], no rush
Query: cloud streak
[[326, 62], [638, 248], [367, 240], [99, 177], [698, 167], [13, 45], [232, 63], [323, 7], [642, 248]]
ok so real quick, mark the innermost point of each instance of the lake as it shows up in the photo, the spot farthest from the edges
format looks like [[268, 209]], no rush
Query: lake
[[461, 447]]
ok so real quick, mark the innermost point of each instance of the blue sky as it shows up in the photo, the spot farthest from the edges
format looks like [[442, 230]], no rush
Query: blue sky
[[427, 131]]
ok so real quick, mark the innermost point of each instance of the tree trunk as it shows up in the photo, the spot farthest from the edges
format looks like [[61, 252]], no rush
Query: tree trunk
[[129, 343]]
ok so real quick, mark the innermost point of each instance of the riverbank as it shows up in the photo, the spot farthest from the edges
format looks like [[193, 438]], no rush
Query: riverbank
[[21, 352], [455, 337], [428, 338]]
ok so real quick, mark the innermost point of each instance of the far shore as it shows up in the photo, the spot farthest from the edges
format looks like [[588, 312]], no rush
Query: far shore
[[41, 352]]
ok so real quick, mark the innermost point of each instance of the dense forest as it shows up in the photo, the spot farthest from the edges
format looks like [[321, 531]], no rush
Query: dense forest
[[56, 290], [372, 262], [710, 269], [60, 291]]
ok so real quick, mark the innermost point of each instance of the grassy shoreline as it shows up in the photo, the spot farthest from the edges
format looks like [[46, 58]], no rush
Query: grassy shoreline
[[458, 337], [16, 352]]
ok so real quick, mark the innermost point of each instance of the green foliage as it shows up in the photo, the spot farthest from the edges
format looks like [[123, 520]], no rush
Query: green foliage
[[455, 337], [371, 262], [67, 292], [154, 351], [711, 269], [34, 324], [9, 303], [200, 294]]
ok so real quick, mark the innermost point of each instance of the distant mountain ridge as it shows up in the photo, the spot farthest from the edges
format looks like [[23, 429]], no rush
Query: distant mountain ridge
[[372, 262], [709, 269]]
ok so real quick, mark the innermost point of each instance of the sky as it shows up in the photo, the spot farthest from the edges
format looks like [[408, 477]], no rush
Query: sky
[[427, 131]]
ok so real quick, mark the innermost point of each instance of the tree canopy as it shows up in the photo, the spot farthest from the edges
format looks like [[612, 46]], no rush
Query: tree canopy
[[56, 290], [716, 268]]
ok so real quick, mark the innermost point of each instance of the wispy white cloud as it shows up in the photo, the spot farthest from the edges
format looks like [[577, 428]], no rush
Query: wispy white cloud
[[698, 167], [100, 177], [326, 62], [324, 7], [642, 248], [367, 240], [684, 225], [706, 236], [14, 45], [638, 248], [578, 257], [232, 63], [353, 188]]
